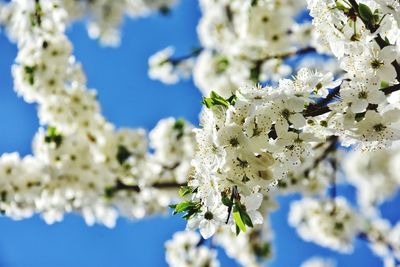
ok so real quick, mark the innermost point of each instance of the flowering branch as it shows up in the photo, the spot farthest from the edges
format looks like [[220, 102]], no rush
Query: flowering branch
[[373, 28], [321, 107]]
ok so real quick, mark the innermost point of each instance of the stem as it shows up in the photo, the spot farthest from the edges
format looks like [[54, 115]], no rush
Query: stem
[[332, 140], [135, 188], [194, 53], [299, 52], [333, 191], [233, 195], [258, 63], [320, 108], [201, 241]]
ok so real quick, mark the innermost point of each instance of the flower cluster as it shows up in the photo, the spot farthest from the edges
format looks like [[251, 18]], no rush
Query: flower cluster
[[255, 141], [375, 175], [162, 67], [243, 42], [366, 45], [186, 250], [330, 224], [103, 18], [80, 162]]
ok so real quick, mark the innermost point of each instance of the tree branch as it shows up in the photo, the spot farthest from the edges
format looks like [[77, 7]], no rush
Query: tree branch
[[320, 108], [332, 140], [120, 186]]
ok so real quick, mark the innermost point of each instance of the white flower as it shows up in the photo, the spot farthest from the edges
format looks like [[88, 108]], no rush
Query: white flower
[[378, 128], [253, 203], [360, 94], [209, 220], [161, 68], [330, 224], [378, 62], [185, 250]]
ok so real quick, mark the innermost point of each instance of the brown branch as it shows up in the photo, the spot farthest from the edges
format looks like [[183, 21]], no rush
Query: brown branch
[[256, 69], [299, 52], [332, 140], [120, 186], [319, 109]]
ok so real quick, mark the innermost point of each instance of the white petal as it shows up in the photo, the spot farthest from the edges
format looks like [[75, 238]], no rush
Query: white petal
[[207, 228], [256, 217], [387, 72], [298, 120], [253, 202], [359, 106], [388, 54]]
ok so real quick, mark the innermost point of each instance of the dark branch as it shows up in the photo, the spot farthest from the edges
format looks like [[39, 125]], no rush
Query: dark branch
[[332, 140], [320, 108], [195, 52], [233, 196], [120, 186], [299, 52]]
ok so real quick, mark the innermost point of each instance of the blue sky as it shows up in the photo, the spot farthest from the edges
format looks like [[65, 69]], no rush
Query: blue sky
[[129, 99]]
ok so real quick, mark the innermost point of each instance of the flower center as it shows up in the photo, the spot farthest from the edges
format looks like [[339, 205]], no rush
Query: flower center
[[285, 113], [234, 142], [208, 215], [363, 95], [376, 63], [242, 163], [379, 127]]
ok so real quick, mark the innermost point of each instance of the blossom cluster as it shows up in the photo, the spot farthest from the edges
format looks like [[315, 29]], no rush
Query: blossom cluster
[[255, 141], [103, 18], [80, 162], [185, 249], [243, 42]]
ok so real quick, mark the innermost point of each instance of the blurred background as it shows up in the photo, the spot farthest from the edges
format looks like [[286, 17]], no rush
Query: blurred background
[[130, 99]]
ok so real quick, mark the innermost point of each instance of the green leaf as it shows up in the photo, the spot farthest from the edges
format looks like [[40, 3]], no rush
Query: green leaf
[[216, 99], [207, 102], [179, 127], [384, 84], [3, 196], [109, 192], [238, 220], [30, 74], [341, 6], [365, 12], [262, 250], [53, 136], [123, 154], [226, 200], [232, 100], [182, 207], [222, 64], [246, 218], [185, 190], [255, 73], [191, 208]]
